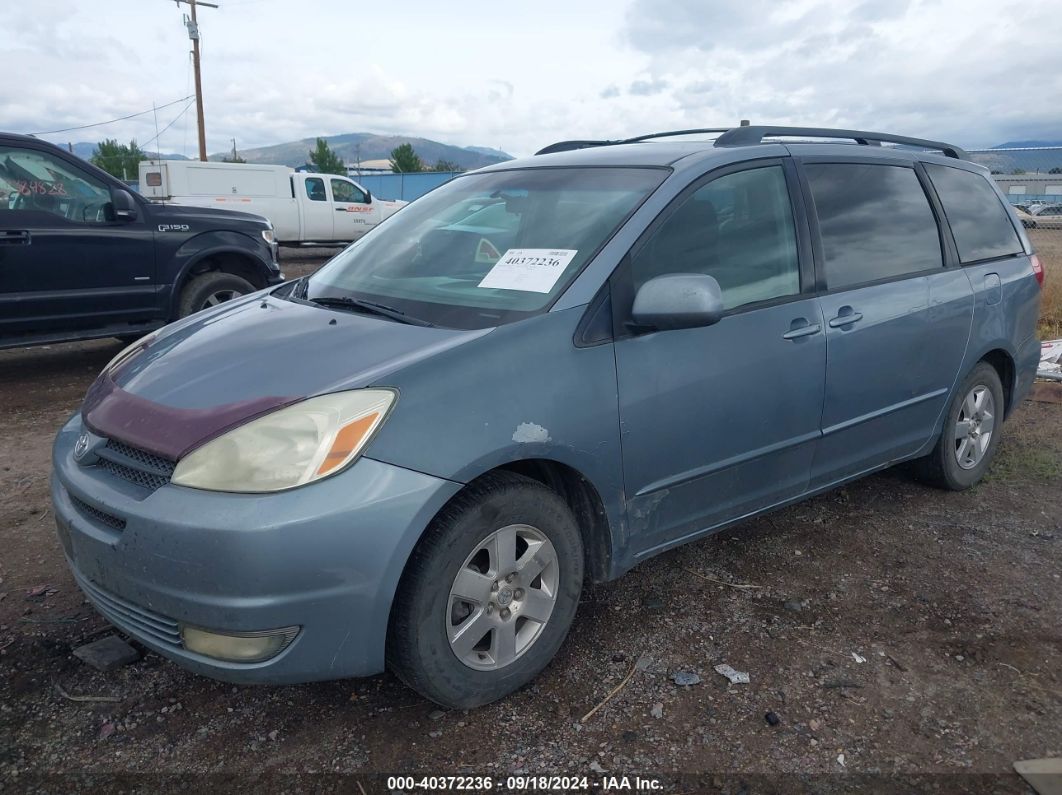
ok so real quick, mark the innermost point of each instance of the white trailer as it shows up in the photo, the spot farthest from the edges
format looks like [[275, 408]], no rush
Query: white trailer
[[303, 207]]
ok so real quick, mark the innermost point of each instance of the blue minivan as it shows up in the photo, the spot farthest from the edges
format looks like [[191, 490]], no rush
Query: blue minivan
[[542, 373]]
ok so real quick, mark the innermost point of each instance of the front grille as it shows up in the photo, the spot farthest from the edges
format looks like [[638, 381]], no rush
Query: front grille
[[148, 480], [146, 460], [145, 469], [104, 518], [131, 618]]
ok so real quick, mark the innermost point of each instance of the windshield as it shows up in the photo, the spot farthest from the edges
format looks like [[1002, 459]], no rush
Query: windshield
[[489, 248]]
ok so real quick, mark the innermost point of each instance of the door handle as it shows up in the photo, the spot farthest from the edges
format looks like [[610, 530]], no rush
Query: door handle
[[18, 238], [845, 316], [797, 331]]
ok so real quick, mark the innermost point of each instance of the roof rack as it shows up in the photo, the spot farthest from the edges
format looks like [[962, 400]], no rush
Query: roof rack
[[673, 133], [746, 135], [567, 146]]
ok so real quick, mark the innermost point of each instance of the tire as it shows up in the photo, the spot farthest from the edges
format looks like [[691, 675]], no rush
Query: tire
[[942, 467], [210, 289], [427, 612]]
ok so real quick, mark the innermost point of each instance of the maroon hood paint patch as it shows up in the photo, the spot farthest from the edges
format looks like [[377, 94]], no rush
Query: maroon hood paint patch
[[170, 432]]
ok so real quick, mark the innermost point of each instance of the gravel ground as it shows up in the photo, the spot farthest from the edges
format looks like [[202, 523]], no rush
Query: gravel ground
[[900, 639]]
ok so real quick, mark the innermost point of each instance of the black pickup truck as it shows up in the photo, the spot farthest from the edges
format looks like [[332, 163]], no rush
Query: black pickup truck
[[82, 257]]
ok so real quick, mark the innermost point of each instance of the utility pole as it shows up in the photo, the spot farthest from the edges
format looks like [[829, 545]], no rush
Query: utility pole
[[193, 34]]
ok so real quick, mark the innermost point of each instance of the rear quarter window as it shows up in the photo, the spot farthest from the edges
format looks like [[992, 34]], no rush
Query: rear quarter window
[[978, 220]]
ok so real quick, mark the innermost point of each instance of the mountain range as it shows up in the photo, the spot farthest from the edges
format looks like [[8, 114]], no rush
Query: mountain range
[[1029, 161], [360, 147], [352, 147], [86, 149]]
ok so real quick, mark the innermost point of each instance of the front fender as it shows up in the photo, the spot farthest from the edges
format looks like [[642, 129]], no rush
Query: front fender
[[195, 250], [521, 392]]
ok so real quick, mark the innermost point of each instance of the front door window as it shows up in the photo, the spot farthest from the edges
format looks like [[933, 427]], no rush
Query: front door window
[[737, 228], [347, 192], [38, 182]]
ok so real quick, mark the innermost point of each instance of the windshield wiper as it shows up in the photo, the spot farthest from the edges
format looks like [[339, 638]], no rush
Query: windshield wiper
[[370, 307]]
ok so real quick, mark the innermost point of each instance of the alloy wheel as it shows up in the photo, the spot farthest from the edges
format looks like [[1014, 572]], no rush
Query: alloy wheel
[[502, 597], [219, 297], [974, 426]]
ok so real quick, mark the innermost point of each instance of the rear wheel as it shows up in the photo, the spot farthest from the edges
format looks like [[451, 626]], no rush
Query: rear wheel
[[970, 437], [489, 593], [211, 289]]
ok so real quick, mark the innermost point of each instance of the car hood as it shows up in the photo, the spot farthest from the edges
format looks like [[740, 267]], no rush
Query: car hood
[[182, 213], [220, 368]]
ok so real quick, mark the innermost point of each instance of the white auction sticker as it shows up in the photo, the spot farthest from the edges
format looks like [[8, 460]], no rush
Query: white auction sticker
[[533, 270]]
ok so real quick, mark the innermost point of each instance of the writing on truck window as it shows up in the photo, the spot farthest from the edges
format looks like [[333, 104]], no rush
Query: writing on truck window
[[39, 188]]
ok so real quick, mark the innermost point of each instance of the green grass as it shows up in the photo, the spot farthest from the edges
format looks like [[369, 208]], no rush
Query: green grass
[[1025, 462], [1048, 245]]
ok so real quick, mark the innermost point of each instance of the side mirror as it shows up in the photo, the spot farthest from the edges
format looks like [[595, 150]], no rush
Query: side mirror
[[678, 300], [368, 196], [125, 206]]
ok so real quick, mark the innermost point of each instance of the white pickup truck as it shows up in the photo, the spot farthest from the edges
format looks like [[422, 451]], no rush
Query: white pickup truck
[[303, 207]]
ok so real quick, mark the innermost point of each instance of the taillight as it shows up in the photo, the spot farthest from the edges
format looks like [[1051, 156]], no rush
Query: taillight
[[1038, 269]]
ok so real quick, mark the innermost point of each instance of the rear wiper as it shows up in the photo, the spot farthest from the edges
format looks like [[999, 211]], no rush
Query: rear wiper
[[371, 307]]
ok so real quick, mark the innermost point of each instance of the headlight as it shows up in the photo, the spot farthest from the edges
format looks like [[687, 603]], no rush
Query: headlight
[[290, 447], [269, 236], [129, 350]]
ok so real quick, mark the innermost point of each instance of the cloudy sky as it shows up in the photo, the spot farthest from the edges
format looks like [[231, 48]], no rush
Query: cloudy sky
[[518, 75]]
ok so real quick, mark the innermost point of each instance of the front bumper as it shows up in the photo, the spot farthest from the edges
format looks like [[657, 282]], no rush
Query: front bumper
[[326, 557]]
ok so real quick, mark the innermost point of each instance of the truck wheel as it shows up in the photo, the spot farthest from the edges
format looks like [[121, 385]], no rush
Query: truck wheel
[[489, 593], [971, 433], [211, 289]]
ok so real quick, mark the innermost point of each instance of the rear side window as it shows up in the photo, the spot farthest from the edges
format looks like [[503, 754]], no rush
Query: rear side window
[[977, 217], [875, 222], [315, 189]]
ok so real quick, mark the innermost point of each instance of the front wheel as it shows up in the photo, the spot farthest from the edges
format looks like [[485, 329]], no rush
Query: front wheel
[[210, 289], [489, 593], [970, 437]]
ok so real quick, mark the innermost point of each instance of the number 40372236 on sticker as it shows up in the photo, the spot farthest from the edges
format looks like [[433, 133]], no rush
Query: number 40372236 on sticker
[[530, 269]]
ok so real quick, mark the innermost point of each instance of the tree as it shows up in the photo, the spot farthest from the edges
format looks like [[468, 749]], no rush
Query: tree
[[325, 161], [445, 165], [404, 160], [1018, 171], [1055, 170], [120, 160]]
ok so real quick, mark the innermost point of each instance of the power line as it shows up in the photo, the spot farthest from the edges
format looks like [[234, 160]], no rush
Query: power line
[[184, 110], [112, 121]]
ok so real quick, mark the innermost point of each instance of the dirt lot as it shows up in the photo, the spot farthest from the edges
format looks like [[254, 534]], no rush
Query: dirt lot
[[906, 639]]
